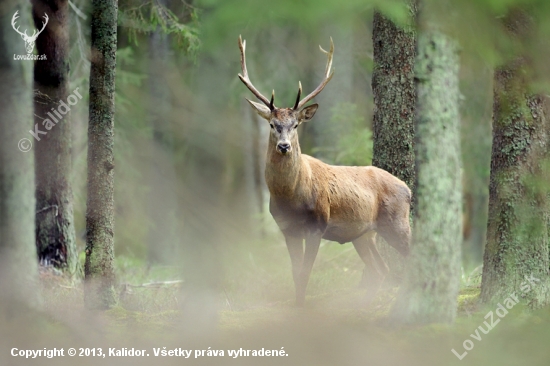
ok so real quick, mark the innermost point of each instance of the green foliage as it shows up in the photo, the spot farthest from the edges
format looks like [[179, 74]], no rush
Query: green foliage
[[151, 16], [354, 140], [308, 14], [126, 77], [501, 6]]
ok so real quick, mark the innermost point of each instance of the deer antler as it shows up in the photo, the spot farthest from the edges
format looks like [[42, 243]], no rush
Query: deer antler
[[13, 19], [246, 81], [328, 76]]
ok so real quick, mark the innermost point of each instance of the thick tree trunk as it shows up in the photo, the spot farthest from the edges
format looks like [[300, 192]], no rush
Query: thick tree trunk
[[99, 267], [18, 265], [430, 288], [394, 105], [516, 253], [394, 98], [55, 235]]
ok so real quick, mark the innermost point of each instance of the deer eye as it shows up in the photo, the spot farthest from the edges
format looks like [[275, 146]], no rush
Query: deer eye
[[296, 126], [271, 124]]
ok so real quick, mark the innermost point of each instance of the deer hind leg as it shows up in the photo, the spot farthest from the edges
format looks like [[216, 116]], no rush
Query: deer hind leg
[[375, 268], [398, 236], [394, 224]]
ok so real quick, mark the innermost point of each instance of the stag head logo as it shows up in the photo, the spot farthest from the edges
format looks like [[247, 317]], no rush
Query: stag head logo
[[29, 40]]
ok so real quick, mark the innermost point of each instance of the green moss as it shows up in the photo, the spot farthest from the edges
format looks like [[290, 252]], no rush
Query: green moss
[[517, 238], [425, 297], [468, 299]]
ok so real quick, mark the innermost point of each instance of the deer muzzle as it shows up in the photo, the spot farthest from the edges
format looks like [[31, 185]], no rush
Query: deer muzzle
[[284, 146]]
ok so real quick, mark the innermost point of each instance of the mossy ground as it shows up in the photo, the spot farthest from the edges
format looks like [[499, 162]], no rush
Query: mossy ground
[[256, 310], [257, 290]]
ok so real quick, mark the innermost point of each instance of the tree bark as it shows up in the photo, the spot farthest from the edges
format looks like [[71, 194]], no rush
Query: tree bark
[[519, 208], [18, 265], [99, 267], [394, 98], [430, 288], [55, 233], [394, 106]]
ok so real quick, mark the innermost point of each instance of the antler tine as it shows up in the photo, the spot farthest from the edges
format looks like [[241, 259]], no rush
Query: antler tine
[[246, 81], [271, 106], [299, 94], [328, 75], [13, 20]]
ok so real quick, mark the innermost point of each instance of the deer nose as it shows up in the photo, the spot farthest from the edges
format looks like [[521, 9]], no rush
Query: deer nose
[[283, 147]]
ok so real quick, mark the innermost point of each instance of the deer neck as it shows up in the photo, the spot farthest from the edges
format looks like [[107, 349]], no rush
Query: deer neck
[[283, 172]]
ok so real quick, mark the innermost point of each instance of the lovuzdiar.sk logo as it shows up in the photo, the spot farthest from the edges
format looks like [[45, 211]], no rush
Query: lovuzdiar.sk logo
[[29, 40]]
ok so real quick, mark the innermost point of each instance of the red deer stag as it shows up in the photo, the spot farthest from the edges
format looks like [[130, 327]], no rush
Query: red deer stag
[[312, 200]]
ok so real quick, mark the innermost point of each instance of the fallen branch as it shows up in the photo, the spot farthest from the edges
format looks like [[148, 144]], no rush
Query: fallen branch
[[155, 284]]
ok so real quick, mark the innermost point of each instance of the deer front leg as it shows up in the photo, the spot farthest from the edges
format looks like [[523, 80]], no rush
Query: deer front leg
[[313, 242], [295, 248]]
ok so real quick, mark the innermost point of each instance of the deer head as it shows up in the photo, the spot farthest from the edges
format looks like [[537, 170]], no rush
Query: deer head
[[284, 121], [29, 40]]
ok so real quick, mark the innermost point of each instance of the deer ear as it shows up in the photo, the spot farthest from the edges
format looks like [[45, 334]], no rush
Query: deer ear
[[261, 109], [307, 113]]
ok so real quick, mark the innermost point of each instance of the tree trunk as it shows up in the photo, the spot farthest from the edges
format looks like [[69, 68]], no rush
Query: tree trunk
[[55, 233], [517, 230], [394, 106], [394, 98], [18, 268], [430, 288], [99, 267]]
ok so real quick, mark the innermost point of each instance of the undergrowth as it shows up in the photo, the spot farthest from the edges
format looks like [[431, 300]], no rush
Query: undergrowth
[[257, 287], [255, 306]]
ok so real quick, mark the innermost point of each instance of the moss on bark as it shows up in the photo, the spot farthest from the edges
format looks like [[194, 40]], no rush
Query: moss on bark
[[430, 288], [99, 267], [519, 208]]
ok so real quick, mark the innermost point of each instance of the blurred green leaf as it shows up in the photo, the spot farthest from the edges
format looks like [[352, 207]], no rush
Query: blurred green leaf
[[151, 16], [354, 140]]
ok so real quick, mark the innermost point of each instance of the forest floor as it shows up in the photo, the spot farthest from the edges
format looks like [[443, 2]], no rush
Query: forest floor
[[255, 309]]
